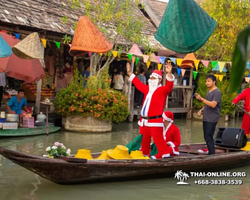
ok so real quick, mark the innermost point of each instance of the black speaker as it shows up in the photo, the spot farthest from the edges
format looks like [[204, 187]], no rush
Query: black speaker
[[230, 137]]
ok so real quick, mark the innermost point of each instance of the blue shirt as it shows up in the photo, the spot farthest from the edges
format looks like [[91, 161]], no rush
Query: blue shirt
[[15, 106], [86, 73]]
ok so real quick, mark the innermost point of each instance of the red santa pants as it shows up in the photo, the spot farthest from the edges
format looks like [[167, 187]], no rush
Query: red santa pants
[[246, 124], [157, 134]]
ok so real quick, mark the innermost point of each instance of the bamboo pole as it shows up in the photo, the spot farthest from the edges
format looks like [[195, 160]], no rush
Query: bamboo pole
[[130, 83], [38, 96], [242, 109]]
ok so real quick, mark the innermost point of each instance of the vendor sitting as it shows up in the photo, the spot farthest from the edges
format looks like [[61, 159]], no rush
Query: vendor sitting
[[16, 104]]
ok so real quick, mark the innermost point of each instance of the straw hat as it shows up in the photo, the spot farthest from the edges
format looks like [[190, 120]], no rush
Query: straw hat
[[189, 57], [187, 64], [185, 26], [88, 38], [152, 58], [135, 50], [120, 152], [104, 155], [137, 155], [30, 47], [247, 147], [84, 153], [5, 49]]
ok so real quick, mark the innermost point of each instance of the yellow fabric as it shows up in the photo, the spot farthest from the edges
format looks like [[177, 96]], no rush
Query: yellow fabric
[[137, 155], [104, 155], [247, 147], [84, 153], [120, 152]]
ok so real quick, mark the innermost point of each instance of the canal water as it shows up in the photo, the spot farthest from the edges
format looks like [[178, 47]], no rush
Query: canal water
[[17, 183]]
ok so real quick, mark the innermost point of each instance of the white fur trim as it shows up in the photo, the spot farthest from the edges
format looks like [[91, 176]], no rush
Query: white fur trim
[[165, 131], [155, 75], [170, 79], [131, 77], [147, 104], [153, 157], [145, 122], [166, 155], [171, 144], [166, 118], [176, 152]]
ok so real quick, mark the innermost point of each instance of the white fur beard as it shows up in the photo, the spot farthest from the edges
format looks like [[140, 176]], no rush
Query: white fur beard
[[153, 84]]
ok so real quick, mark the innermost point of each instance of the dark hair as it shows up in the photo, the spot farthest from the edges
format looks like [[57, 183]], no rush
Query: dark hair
[[168, 59], [141, 71], [211, 76], [20, 90]]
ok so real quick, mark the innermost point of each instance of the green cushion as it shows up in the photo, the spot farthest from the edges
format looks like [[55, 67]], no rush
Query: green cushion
[[185, 26], [135, 144]]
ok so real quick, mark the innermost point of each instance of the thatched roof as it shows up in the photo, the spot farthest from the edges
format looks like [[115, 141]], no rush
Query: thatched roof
[[47, 15]]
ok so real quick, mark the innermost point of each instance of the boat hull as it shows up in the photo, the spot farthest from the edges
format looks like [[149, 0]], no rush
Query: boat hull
[[64, 172]]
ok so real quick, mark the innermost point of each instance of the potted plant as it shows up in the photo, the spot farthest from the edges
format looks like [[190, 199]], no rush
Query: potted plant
[[88, 108]]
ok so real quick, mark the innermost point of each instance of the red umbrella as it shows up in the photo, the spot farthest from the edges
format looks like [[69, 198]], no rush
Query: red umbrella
[[22, 69]]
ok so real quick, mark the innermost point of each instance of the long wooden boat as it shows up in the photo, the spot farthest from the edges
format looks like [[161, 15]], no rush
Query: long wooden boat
[[75, 171], [39, 130]]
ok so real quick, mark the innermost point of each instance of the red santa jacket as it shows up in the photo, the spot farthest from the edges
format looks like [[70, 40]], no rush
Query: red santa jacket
[[173, 137], [155, 102], [245, 95]]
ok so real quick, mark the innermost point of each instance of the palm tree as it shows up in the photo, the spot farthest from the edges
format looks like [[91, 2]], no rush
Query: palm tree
[[178, 174], [181, 176]]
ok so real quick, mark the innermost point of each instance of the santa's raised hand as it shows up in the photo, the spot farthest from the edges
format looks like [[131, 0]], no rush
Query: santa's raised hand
[[168, 67]]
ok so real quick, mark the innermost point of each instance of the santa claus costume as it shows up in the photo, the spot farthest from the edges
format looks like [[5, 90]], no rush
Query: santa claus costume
[[171, 135], [151, 121], [245, 95]]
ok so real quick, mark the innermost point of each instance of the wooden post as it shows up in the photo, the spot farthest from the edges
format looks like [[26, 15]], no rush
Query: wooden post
[[131, 94], [130, 85], [47, 119], [191, 85], [38, 96], [164, 75]]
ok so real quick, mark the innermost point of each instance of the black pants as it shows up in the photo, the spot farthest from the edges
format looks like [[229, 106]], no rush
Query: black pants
[[208, 129], [1, 95]]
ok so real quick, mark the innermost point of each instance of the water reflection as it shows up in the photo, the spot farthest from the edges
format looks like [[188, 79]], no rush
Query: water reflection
[[19, 183]]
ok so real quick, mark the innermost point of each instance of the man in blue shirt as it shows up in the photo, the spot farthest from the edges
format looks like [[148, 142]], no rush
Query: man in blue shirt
[[86, 75], [16, 104]]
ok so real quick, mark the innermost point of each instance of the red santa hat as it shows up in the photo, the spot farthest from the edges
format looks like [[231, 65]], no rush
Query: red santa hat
[[168, 116], [156, 74]]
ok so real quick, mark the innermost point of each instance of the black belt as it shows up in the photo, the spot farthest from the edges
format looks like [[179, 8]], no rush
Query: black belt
[[154, 117]]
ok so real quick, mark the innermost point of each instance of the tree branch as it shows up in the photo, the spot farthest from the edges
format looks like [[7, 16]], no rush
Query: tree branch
[[110, 60]]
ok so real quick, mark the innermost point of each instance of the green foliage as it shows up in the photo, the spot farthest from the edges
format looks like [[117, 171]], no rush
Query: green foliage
[[240, 58], [99, 103], [65, 19], [223, 86], [226, 97], [231, 16], [67, 39]]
